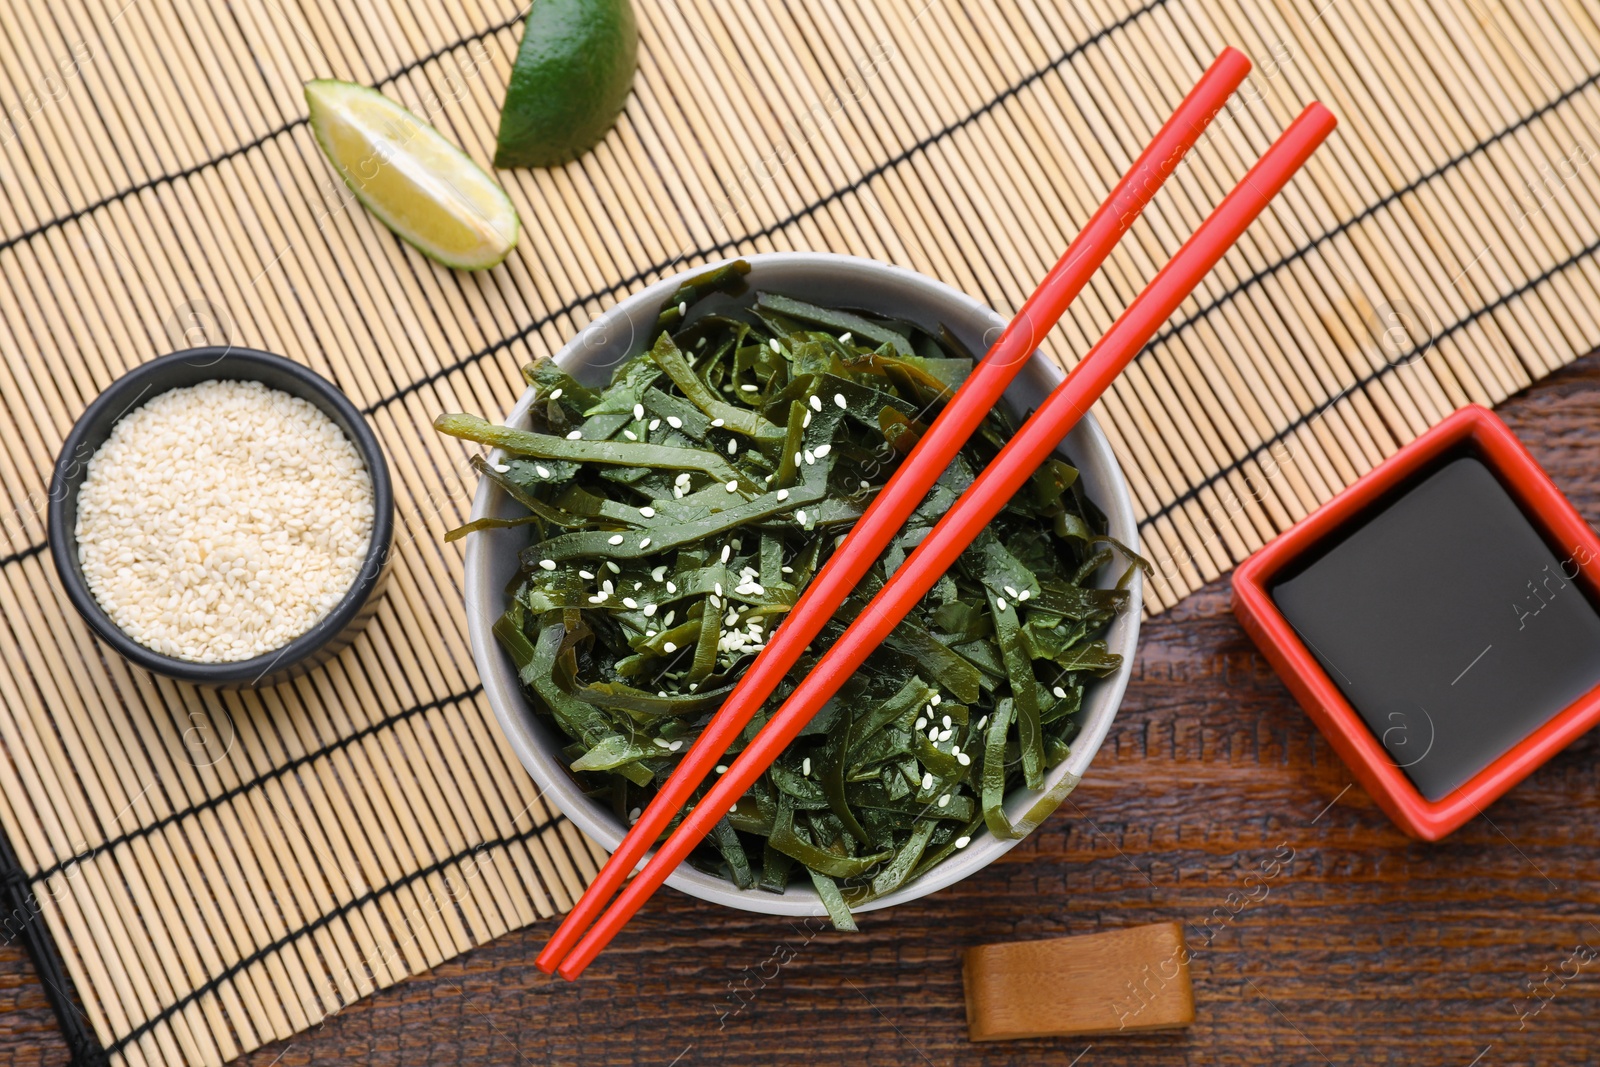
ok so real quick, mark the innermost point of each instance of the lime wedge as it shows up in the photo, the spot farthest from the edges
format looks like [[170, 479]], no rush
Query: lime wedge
[[571, 78], [418, 184]]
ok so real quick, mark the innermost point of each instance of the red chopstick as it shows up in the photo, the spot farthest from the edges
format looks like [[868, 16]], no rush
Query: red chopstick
[[1009, 471], [910, 483]]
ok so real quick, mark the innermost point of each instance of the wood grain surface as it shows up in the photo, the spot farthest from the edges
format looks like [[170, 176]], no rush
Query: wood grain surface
[[1364, 947]]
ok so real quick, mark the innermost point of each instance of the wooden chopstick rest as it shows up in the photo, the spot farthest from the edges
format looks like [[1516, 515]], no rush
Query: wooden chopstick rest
[[1120, 981]]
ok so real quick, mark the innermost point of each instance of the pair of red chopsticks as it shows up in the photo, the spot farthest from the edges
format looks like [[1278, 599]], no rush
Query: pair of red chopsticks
[[907, 488]]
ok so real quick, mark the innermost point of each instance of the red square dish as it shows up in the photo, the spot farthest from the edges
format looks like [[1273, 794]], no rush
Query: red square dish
[[1484, 740]]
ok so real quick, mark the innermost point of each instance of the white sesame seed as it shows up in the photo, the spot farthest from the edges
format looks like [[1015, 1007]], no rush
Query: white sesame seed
[[805, 766], [658, 573], [683, 308], [844, 338], [774, 344], [921, 723], [732, 487], [733, 809], [1010, 591], [750, 388], [963, 759], [799, 459], [815, 402], [727, 550], [839, 400], [655, 424], [644, 542], [649, 609], [865, 484], [613, 568], [669, 617], [1061, 694], [947, 722], [1000, 602], [608, 587], [630, 435], [963, 842], [501, 468], [638, 411], [586, 575], [1024, 595], [717, 586], [805, 421], [629, 602], [274, 528], [733, 447], [801, 515], [648, 512], [633, 816], [811, 457], [661, 742], [787, 570], [575, 435], [675, 422], [983, 722], [672, 587], [555, 394], [822, 450], [936, 699], [544, 472], [718, 422], [783, 494], [933, 734], [927, 780], [677, 745], [669, 648], [548, 564], [598, 598], [614, 539], [944, 735], [944, 801], [722, 768]]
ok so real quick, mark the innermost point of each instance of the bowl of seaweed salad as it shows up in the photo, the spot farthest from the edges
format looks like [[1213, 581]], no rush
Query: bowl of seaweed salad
[[661, 494]]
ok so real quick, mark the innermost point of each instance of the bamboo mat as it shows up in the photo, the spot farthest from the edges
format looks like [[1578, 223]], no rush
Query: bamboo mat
[[201, 873]]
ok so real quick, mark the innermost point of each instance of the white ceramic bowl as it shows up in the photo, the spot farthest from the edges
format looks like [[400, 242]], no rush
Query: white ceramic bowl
[[835, 281]]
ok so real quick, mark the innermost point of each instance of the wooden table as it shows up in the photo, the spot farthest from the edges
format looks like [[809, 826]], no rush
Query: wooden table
[[1367, 948]]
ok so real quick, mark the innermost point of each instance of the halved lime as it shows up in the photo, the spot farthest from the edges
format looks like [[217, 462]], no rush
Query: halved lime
[[418, 184]]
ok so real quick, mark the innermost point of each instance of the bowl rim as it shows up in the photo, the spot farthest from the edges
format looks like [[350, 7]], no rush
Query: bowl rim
[[1026, 808], [143, 383]]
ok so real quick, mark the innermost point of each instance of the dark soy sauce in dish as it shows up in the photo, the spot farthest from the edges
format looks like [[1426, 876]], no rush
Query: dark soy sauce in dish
[[1448, 623]]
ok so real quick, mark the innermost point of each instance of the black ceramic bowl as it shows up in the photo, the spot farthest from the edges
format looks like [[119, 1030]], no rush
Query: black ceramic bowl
[[312, 648]]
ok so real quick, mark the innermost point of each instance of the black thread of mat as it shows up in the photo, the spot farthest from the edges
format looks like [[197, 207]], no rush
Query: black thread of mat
[[191, 171], [215, 982], [23, 907], [921, 146], [1361, 383], [866, 178], [26, 553], [259, 780]]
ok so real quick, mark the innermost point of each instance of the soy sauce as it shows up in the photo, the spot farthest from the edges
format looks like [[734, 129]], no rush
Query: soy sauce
[[1449, 624]]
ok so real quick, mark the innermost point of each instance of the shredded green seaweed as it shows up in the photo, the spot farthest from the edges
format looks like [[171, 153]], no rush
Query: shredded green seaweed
[[677, 513]]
